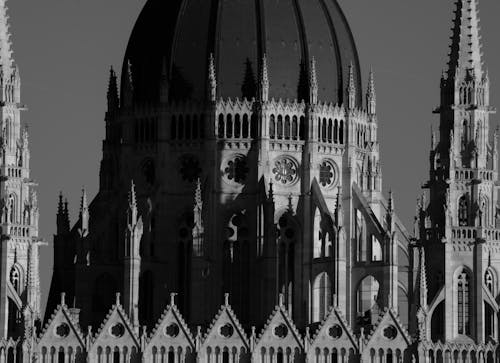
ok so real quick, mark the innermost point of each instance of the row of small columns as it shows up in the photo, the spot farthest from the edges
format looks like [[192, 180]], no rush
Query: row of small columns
[[431, 356]]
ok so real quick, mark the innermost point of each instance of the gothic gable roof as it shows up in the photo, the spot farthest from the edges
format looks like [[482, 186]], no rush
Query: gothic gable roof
[[388, 332], [61, 328], [117, 330], [279, 331], [226, 330], [171, 326], [334, 330]]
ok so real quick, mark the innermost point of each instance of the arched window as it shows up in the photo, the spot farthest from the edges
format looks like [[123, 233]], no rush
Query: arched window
[[287, 127], [220, 131], [318, 249], [489, 281], [336, 131], [368, 291], [196, 127], [295, 128], [322, 296], [360, 236], [464, 303], [463, 211], [323, 130], [272, 127], [341, 132], [15, 279], [280, 127], [302, 134], [237, 126], [246, 127], [229, 126], [330, 130], [376, 249], [254, 127]]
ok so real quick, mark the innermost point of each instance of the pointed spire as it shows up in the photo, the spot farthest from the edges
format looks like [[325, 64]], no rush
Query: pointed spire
[[465, 55], [390, 213], [164, 84], [62, 216], [313, 83], [113, 98], [351, 88], [198, 228], [132, 205], [6, 59], [212, 79], [339, 212], [128, 87], [422, 280], [371, 96], [264, 81], [84, 212]]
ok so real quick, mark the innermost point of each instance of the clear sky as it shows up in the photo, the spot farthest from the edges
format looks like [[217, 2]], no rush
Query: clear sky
[[65, 47]]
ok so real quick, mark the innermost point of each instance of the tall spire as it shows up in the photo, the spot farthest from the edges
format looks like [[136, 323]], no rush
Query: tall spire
[[84, 212], [264, 81], [132, 205], [371, 95], [198, 229], [212, 79], [351, 88], [6, 59], [465, 52], [313, 83], [113, 99], [422, 280]]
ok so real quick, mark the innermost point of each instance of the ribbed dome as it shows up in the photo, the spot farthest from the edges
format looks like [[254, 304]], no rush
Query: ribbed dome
[[183, 33]]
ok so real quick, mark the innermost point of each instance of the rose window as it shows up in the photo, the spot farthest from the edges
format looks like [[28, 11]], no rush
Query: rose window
[[237, 169], [390, 332], [281, 331], [335, 331], [62, 330], [190, 168], [172, 330], [117, 330], [285, 171], [227, 330], [326, 174]]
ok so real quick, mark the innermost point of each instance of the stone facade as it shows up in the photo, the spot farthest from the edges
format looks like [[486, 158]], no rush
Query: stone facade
[[251, 226]]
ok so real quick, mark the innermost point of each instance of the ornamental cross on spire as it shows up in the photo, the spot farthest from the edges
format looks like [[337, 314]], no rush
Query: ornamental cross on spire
[[465, 52]]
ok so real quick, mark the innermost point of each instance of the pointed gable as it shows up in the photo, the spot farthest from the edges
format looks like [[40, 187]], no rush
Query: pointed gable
[[388, 333], [279, 333], [62, 330], [171, 331], [116, 330], [334, 331], [225, 331]]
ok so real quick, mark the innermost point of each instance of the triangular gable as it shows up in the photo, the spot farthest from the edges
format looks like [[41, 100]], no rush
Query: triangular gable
[[116, 330], [334, 330], [171, 327], [388, 332], [225, 330], [61, 329], [279, 331]]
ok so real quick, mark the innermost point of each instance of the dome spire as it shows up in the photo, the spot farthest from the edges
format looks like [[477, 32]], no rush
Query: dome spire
[[313, 83], [212, 79], [351, 88], [465, 55]]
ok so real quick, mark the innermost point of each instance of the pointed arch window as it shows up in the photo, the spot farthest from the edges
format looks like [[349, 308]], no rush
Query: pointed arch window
[[322, 296], [463, 211], [464, 303], [15, 279], [489, 281]]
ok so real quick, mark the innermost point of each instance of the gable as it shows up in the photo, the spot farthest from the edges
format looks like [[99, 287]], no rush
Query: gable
[[334, 331], [61, 330], [116, 331], [388, 333], [171, 330], [226, 331], [279, 332]]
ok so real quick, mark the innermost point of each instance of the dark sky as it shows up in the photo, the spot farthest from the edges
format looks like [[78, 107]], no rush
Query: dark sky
[[65, 47]]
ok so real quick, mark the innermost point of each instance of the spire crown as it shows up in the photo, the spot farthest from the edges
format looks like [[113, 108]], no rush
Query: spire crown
[[465, 55], [113, 99], [351, 88], [313, 83], [264, 81], [6, 59], [212, 79]]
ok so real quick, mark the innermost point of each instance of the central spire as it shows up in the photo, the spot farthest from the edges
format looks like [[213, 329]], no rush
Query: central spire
[[6, 59], [465, 52]]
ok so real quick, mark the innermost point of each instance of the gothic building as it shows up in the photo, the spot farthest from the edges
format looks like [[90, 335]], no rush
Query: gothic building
[[240, 213]]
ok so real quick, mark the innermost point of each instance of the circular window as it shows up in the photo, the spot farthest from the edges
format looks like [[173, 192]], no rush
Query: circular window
[[226, 330], [281, 331], [190, 168], [335, 331], [117, 330], [285, 171], [390, 332], [327, 174], [62, 330], [236, 169], [172, 330]]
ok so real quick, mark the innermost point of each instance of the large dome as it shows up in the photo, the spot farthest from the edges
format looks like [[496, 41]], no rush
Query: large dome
[[183, 33]]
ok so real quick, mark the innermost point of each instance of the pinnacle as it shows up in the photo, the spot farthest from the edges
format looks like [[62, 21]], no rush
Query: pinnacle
[[131, 195], [6, 60]]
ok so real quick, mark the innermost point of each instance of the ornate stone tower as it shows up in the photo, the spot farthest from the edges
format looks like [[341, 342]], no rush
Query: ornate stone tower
[[19, 279], [459, 226]]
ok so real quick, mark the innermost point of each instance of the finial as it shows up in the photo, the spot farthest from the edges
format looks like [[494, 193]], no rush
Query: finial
[[113, 99], [197, 195], [391, 201], [290, 203], [117, 299], [212, 78], [281, 300], [371, 96], [60, 204], [351, 88], [313, 83], [226, 299], [172, 298], [264, 81], [63, 299], [132, 200], [271, 191], [128, 87]]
